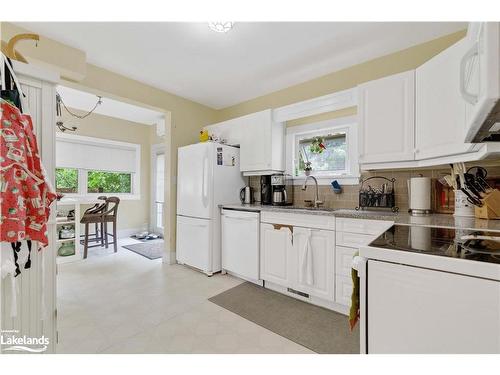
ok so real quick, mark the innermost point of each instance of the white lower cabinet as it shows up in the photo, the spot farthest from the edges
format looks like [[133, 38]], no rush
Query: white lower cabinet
[[275, 253], [351, 234], [343, 279], [306, 257], [343, 290], [343, 260], [313, 262]]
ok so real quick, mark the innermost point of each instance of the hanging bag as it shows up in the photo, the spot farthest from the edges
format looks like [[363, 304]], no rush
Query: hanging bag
[[10, 88]]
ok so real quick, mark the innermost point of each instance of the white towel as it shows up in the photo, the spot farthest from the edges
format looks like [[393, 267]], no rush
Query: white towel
[[306, 274]]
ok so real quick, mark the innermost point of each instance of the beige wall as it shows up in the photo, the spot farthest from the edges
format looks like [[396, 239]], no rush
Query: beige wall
[[397, 62], [71, 63], [132, 214]]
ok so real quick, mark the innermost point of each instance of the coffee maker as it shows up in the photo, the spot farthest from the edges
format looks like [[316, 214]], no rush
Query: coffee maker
[[282, 190], [266, 193]]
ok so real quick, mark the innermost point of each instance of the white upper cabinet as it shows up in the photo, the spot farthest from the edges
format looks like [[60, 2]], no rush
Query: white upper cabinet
[[262, 146], [386, 112], [261, 141], [440, 108]]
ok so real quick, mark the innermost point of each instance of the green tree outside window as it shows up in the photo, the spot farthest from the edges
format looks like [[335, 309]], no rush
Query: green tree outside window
[[66, 180], [109, 182]]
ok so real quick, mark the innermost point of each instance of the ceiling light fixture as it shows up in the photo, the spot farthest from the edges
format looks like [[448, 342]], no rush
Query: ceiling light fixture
[[221, 26]]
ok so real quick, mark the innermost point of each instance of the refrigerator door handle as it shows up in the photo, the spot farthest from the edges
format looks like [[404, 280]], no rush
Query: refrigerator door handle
[[204, 186]]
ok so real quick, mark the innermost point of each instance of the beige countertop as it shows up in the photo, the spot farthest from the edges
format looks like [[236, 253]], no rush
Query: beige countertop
[[403, 218]]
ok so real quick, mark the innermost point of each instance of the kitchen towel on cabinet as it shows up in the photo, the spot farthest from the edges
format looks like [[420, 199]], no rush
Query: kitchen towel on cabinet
[[306, 275]]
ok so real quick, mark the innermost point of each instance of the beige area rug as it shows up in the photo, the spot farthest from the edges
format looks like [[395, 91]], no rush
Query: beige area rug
[[318, 329]]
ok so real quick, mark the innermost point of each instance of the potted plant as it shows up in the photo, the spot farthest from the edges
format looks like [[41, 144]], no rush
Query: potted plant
[[307, 168], [307, 163], [317, 146]]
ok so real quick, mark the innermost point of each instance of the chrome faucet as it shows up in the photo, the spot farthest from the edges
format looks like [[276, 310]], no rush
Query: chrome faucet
[[317, 202]]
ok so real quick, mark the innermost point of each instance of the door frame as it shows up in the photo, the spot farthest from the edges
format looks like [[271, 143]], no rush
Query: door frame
[[155, 150]]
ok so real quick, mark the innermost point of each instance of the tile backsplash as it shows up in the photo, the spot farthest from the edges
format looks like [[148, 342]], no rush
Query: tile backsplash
[[349, 196]]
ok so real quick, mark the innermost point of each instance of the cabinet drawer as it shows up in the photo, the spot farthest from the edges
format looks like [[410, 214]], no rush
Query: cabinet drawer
[[362, 226], [343, 290], [354, 240], [299, 220], [343, 260]]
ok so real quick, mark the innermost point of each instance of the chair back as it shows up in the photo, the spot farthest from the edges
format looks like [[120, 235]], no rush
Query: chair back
[[97, 208], [114, 201]]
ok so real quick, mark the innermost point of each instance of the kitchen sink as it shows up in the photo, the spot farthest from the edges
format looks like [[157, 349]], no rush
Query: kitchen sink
[[325, 209]]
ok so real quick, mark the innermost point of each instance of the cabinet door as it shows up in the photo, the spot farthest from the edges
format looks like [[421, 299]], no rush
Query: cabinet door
[[319, 281], [440, 108], [386, 112], [255, 148], [276, 248]]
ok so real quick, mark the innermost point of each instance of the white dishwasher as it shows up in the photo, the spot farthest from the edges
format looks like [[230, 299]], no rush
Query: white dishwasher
[[240, 244]]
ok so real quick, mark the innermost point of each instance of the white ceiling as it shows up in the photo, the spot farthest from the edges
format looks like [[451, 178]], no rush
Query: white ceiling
[[253, 59], [84, 101]]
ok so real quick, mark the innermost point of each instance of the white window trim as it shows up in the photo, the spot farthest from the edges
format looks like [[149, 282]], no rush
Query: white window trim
[[82, 173], [347, 124]]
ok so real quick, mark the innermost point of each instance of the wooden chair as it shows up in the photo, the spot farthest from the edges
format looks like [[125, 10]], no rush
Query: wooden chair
[[102, 215], [96, 208]]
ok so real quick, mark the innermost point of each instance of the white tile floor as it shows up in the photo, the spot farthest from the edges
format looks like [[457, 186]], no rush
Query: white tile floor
[[125, 303]]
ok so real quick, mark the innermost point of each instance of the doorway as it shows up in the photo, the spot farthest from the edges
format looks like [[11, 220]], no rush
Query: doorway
[[158, 188]]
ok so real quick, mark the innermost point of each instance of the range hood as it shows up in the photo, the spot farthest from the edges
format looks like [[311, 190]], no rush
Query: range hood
[[490, 129]]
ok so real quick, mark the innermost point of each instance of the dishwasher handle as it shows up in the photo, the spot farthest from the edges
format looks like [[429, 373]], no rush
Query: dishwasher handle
[[240, 218]]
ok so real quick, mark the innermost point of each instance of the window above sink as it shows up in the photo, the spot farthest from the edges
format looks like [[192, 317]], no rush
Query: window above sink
[[329, 147]]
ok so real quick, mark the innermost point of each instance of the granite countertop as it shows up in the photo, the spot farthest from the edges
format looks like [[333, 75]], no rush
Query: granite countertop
[[403, 218]]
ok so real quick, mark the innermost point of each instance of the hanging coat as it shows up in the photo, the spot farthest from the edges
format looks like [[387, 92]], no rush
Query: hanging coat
[[25, 193]]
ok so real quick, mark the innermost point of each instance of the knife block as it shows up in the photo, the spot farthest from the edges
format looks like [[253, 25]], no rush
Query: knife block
[[491, 206]]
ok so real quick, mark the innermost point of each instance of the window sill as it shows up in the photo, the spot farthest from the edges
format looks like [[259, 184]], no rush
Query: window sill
[[92, 198], [327, 180]]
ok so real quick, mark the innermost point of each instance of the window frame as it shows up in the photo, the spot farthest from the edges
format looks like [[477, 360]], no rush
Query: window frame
[[135, 194], [347, 125]]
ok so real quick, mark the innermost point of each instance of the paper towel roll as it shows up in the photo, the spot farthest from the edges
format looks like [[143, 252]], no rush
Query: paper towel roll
[[421, 238], [420, 194]]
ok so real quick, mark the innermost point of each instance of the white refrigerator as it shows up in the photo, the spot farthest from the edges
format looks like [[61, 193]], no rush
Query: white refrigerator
[[208, 175]]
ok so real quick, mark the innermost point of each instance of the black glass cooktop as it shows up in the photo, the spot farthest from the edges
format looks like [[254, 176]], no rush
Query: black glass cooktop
[[479, 246]]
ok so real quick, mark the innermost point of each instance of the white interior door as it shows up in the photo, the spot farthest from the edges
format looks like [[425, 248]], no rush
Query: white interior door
[[158, 188]]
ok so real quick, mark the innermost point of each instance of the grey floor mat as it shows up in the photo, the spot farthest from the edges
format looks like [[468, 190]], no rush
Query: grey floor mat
[[152, 249], [321, 330]]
